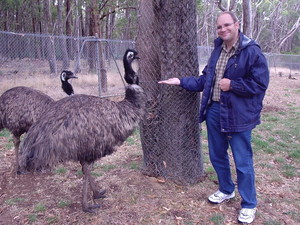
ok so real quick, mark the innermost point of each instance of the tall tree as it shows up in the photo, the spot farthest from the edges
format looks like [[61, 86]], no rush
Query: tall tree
[[96, 53], [77, 35], [167, 43], [247, 18], [68, 27], [289, 34], [49, 42], [62, 40]]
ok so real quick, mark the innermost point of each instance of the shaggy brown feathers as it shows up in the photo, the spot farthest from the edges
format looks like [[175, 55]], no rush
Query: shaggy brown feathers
[[20, 107], [82, 128]]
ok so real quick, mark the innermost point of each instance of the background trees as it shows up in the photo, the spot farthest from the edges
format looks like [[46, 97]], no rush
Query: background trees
[[273, 24]]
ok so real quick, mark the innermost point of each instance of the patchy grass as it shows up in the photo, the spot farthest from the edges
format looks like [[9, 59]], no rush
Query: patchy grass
[[14, 201]]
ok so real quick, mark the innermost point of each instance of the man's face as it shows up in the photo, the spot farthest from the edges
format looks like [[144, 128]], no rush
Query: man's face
[[227, 30]]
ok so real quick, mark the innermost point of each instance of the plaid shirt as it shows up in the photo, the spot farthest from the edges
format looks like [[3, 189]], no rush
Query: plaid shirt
[[220, 68]]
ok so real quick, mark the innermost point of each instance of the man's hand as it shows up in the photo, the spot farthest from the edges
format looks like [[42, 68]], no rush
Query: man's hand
[[225, 84], [171, 81]]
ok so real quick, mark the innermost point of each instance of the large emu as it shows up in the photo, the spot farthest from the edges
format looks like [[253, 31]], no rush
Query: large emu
[[21, 106], [82, 128]]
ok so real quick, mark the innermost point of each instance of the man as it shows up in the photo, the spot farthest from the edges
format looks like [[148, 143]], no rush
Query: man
[[233, 83]]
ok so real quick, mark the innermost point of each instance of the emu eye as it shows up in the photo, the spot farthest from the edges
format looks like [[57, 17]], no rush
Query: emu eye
[[63, 75]]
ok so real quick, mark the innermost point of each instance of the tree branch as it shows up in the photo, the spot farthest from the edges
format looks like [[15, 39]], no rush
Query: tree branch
[[289, 33]]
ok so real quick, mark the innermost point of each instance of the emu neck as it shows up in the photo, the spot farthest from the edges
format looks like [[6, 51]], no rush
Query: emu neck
[[67, 87], [128, 68]]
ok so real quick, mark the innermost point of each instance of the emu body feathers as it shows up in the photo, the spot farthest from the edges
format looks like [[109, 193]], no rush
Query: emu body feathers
[[84, 128], [21, 106], [81, 128]]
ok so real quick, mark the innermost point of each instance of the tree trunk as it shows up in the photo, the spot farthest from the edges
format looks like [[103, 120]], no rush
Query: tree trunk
[[68, 21], [230, 5], [62, 40], [96, 56], [128, 25], [247, 18], [77, 35], [167, 45], [49, 50]]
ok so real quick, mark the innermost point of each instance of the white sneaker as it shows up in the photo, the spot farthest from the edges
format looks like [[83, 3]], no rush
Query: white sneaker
[[247, 215], [219, 197]]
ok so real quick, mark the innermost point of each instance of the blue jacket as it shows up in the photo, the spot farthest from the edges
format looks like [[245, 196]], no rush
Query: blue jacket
[[247, 69]]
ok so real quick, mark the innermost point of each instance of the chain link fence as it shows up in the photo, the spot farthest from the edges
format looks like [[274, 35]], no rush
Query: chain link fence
[[279, 64], [81, 55], [36, 54]]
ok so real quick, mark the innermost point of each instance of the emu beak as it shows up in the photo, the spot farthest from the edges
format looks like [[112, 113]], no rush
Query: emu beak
[[136, 57], [72, 76]]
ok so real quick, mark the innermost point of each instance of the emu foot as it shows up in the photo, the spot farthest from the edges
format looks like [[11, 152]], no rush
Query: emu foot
[[90, 208], [101, 194]]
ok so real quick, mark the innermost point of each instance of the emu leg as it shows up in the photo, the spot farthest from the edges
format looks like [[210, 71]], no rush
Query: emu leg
[[16, 140], [86, 179], [95, 189]]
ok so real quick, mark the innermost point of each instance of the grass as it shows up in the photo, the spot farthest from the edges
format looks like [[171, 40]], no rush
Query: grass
[[217, 219], [134, 166], [52, 220], [64, 203], [40, 207], [14, 201], [107, 168], [32, 218], [4, 133], [272, 222], [134, 138], [61, 170], [279, 135]]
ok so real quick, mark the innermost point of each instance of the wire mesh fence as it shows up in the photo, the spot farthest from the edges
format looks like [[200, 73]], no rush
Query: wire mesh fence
[[36, 54], [81, 55]]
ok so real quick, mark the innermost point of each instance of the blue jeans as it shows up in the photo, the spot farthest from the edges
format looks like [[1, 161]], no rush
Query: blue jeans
[[240, 143]]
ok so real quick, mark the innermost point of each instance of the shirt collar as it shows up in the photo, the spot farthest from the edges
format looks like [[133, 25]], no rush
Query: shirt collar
[[234, 47]]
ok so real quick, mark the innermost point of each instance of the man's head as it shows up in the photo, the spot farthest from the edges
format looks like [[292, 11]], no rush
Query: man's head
[[228, 27]]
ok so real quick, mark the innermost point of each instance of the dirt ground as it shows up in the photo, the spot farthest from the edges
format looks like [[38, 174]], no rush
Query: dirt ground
[[133, 198]]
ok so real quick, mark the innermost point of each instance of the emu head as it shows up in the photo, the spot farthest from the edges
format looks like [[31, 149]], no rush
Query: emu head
[[130, 75], [66, 86], [66, 75]]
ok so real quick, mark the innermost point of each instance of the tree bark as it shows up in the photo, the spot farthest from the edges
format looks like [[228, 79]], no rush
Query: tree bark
[[62, 40], [49, 45], [247, 18], [167, 45], [95, 50]]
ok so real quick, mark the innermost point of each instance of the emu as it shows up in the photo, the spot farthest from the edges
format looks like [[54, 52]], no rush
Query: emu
[[130, 75], [21, 106], [83, 128], [65, 85]]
